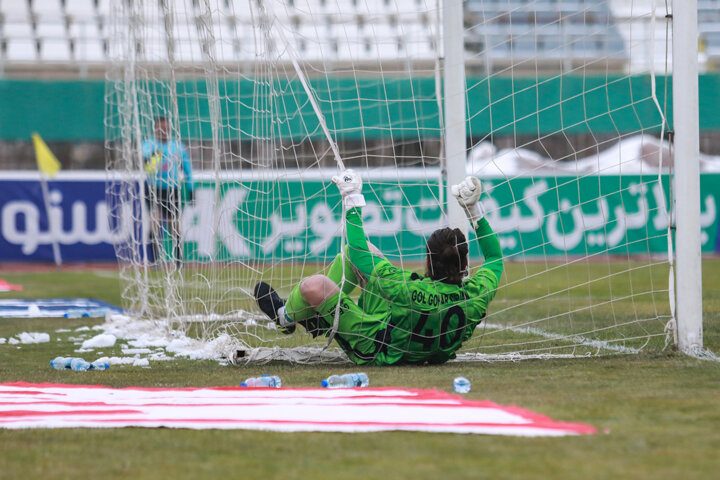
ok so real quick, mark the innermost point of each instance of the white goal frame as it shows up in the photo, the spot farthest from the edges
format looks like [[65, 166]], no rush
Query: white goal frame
[[684, 288], [686, 128]]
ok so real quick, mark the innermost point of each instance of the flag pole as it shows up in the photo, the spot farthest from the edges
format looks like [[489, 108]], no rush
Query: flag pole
[[48, 165], [51, 226]]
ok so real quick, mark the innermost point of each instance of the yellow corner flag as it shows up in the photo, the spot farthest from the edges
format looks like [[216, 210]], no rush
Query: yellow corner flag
[[47, 163]]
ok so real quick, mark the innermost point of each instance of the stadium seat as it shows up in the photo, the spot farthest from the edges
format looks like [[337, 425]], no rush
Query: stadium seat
[[17, 30], [80, 10], [84, 29], [225, 51], [387, 48], [21, 50], [377, 6], [524, 46], [154, 45], [240, 10], [90, 50], [497, 47], [339, 30], [308, 44], [712, 43], [342, 6], [188, 51], [55, 50], [245, 48], [104, 9], [51, 29], [47, 9], [226, 32], [15, 11], [417, 40]]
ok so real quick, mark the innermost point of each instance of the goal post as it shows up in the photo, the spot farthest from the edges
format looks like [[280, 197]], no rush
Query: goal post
[[455, 120], [687, 176]]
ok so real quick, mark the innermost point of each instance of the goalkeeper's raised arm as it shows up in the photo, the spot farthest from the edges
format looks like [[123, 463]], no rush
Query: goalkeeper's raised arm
[[468, 194]]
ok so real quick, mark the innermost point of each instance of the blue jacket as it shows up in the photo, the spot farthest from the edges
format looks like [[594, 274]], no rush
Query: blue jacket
[[164, 162]]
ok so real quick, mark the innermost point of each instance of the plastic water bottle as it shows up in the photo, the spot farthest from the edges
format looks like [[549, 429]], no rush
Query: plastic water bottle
[[349, 380], [79, 364], [75, 314], [96, 365], [263, 381], [461, 385], [60, 363]]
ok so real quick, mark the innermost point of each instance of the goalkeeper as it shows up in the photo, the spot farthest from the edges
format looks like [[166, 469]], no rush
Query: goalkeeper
[[401, 317], [168, 186]]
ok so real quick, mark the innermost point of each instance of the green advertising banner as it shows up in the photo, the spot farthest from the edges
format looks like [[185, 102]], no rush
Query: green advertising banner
[[297, 218], [354, 108]]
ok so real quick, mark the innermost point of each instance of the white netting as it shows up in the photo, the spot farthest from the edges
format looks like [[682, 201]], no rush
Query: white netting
[[566, 141]]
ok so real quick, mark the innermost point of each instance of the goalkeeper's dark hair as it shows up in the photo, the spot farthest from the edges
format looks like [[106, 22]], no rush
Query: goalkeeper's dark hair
[[447, 251]]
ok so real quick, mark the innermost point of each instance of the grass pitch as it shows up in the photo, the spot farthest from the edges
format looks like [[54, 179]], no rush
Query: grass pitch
[[659, 413]]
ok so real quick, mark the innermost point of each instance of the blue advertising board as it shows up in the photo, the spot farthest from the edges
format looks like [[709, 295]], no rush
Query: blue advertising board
[[83, 227]]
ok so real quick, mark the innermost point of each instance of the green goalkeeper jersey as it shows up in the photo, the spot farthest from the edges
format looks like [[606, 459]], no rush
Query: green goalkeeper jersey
[[427, 320]]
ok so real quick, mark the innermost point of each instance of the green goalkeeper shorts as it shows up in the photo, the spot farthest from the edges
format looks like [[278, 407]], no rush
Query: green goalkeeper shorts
[[367, 338]]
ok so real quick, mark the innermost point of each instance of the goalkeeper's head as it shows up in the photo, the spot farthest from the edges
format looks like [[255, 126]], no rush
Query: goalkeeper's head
[[162, 129], [447, 255]]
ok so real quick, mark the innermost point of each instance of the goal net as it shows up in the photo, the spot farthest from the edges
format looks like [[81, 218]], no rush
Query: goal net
[[565, 115]]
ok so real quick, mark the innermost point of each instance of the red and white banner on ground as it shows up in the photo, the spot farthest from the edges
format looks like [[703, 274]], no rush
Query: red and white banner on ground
[[6, 286], [25, 405]]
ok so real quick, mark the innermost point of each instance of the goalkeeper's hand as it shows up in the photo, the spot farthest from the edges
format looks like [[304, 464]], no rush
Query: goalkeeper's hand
[[467, 194], [350, 185], [152, 163]]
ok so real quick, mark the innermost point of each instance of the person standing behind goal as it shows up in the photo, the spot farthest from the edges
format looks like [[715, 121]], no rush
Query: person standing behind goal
[[168, 186], [401, 317]]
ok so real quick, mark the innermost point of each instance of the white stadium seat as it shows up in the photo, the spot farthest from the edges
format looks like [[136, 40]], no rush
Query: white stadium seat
[[225, 51], [89, 50], [50, 29], [55, 50], [241, 10], [17, 30], [104, 8], [47, 9], [21, 50], [377, 7], [226, 33], [154, 45], [15, 11], [85, 29], [338, 30], [80, 10], [187, 51], [346, 33]]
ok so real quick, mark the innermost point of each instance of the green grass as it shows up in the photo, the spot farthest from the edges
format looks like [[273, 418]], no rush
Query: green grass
[[658, 411]]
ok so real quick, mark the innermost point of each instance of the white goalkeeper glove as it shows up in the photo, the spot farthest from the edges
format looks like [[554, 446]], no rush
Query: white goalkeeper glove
[[350, 185], [467, 194]]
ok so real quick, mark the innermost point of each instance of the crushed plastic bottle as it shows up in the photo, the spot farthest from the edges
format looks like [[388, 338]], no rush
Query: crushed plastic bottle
[[96, 365], [265, 380], [96, 313], [349, 380], [80, 364], [461, 385], [60, 363]]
